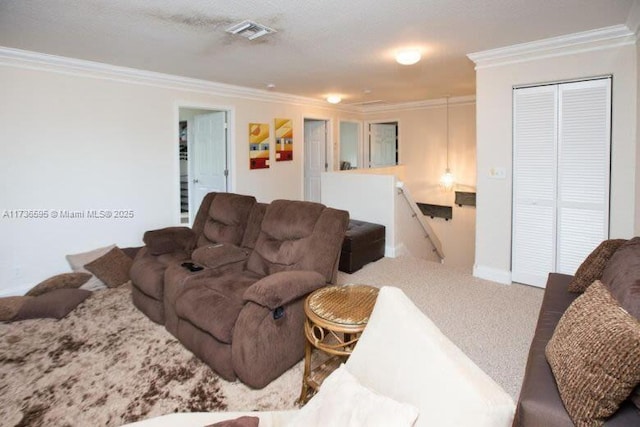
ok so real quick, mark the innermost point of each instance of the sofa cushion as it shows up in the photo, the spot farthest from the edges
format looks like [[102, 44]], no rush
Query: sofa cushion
[[300, 219], [291, 230], [285, 236], [344, 402], [60, 281], [403, 355], [622, 276], [213, 303], [112, 268], [227, 219], [594, 356], [593, 266]]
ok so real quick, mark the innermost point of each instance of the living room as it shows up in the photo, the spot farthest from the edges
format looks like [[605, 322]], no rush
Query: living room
[[83, 132]]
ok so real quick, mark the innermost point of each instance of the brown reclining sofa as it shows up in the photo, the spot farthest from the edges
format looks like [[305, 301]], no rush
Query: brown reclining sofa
[[242, 314]]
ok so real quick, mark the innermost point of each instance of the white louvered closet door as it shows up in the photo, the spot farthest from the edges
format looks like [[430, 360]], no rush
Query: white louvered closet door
[[560, 177]]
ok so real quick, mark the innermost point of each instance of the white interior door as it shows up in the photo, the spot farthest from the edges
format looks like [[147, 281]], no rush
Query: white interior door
[[382, 144], [535, 130], [315, 157], [208, 157], [583, 170]]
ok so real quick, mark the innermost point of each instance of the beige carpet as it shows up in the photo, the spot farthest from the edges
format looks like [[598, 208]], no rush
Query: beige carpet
[[107, 364], [492, 323]]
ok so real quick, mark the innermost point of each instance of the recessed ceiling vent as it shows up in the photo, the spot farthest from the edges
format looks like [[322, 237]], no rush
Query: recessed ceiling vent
[[372, 102], [250, 30]]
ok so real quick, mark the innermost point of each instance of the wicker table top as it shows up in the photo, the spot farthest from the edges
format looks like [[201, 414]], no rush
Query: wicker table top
[[345, 305]]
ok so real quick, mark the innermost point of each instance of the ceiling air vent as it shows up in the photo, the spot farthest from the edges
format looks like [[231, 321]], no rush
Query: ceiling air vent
[[365, 103], [250, 30]]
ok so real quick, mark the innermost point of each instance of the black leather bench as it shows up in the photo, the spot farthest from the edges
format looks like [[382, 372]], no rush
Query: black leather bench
[[363, 243]]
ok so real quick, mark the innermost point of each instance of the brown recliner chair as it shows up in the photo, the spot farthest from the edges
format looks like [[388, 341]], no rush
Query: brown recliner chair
[[248, 322], [221, 218]]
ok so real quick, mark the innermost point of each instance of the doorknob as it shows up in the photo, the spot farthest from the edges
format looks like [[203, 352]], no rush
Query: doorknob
[[195, 181]]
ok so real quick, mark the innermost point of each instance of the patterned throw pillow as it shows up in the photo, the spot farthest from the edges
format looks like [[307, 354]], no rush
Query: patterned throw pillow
[[594, 355], [112, 268], [592, 267]]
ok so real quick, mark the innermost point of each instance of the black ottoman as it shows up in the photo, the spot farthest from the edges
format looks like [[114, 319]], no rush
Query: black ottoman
[[363, 243]]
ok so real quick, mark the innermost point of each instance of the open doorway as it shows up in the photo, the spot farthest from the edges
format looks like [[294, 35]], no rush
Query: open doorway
[[383, 144], [204, 162], [315, 156]]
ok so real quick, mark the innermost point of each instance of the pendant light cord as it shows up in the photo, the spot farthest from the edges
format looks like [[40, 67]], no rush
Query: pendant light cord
[[447, 134]]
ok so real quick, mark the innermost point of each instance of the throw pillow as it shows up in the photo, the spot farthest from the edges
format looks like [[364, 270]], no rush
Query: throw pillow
[[343, 402], [219, 255], [56, 304], [112, 268], [60, 281], [77, 262], [244, 421], [9, 307], [403, 355], [622, 276], [592, 267], [594, 356]]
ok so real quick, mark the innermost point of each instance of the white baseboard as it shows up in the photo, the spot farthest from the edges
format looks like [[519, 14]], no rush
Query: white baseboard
[[493, 274]]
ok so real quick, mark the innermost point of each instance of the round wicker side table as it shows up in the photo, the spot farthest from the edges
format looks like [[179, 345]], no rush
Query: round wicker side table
[[336, 316]]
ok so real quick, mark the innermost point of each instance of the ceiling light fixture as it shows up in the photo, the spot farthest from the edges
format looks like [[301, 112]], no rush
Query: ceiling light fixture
[[447, 180], [334, 99], [408, 56]]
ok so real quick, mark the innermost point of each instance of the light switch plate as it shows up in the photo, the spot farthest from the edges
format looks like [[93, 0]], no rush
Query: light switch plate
[[497, 173]]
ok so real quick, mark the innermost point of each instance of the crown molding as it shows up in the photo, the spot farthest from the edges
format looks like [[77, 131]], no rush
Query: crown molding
[[602, 38], [633, 20], [79, 67], [419, 105]]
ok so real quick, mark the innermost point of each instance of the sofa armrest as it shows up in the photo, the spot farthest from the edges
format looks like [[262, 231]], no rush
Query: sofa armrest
[[170, 239], [280, 288]]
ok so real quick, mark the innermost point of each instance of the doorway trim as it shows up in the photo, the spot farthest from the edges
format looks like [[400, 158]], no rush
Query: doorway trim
[[329, 147], [231, 148]]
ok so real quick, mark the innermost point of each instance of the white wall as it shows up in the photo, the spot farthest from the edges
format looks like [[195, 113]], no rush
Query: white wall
[[77, 139], [422, 146], [366, 196], [81, 140], [494, 145], [371, 195]]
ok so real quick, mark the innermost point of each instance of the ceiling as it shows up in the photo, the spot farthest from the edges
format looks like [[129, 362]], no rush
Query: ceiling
[[320, 47]]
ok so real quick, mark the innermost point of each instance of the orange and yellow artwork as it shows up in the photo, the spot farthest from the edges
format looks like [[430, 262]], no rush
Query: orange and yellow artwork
[[258, 145], [284, 139]]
